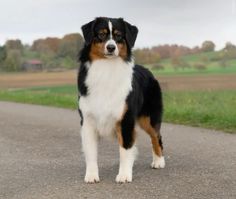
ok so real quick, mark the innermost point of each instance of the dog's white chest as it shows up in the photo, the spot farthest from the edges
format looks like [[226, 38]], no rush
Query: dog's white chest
[[109, 82]]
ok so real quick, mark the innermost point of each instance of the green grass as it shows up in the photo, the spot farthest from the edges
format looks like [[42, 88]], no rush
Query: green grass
[[61, 96], [210, 109], [209, 71], [212, 67]]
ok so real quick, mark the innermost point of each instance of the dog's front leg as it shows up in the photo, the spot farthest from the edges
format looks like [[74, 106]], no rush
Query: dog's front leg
[[127, 157], [89, 143], [126, 137]]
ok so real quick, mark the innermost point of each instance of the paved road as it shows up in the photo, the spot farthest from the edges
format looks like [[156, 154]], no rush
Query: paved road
[[40, 157]]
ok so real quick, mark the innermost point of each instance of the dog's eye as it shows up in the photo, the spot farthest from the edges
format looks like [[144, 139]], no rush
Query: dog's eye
[[118, 37], [102, 35]]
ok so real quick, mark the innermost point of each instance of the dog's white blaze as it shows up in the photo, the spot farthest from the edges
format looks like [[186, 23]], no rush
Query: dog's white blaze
[[110, 28], [127, 158], [109, 82], [111, 41]]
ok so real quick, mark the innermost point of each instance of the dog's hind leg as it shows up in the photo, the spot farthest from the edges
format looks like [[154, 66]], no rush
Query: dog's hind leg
[[157, 148]]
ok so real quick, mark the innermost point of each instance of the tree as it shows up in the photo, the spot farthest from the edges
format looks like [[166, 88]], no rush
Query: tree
[[14, 45], [229, 46], [70, 45], [3, 54], [208, 46], [13, 60], [48, 45], [146, 56]]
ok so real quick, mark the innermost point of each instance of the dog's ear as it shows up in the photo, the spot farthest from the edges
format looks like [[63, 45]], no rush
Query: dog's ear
[[131, 33], [88, 31]]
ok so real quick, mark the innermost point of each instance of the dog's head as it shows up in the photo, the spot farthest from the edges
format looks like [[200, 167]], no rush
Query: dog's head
[[109, 38]]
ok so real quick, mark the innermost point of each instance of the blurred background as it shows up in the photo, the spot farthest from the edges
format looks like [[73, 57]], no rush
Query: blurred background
[[190, 46]]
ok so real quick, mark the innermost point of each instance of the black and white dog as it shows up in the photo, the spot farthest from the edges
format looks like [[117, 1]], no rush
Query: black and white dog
[[116, 96]]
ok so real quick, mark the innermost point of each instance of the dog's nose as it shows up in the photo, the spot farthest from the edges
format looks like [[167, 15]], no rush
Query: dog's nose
[[111, 48]]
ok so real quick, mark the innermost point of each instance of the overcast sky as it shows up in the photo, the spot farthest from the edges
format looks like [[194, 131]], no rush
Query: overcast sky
[[187, 22]]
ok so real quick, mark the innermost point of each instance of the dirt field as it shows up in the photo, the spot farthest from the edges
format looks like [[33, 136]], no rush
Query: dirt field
[[202, 82], [20, 80]]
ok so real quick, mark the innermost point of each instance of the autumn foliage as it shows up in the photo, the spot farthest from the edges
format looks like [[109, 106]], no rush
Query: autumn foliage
[[56, 53]]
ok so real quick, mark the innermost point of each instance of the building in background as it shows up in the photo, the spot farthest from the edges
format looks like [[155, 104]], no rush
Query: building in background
[[32, 65]]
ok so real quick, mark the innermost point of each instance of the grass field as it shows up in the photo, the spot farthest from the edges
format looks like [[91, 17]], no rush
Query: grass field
[[210, 109], [212, 67]]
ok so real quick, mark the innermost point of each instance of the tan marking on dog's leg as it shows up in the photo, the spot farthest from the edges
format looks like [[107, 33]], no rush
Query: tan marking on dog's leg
[[158, 159], [119, 133], [118, 126], [145, 124]]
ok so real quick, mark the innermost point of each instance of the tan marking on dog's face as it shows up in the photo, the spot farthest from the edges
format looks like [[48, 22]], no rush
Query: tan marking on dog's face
[[97, 51], [117, 32], [103, 31], [122, 50], [145, 124], [122, 47]]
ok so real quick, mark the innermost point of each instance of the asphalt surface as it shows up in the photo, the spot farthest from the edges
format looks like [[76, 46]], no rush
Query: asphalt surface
[[41, 157]]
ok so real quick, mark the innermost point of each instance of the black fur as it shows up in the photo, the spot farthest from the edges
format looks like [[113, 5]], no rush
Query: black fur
[[145, 99], [88, 31], [131, 33], [81, 117], [82, 74], [127, 128]]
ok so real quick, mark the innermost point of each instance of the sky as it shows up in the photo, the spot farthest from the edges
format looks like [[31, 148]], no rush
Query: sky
[[185, 22]]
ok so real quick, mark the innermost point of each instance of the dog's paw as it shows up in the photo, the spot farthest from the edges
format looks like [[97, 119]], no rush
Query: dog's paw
[[158, 162], [123, 178], [91, 178]]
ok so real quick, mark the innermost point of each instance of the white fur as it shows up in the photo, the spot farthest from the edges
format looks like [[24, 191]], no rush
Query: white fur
[[158, 162], [109, 82], [111, 42], [127, 157], [89, 143]]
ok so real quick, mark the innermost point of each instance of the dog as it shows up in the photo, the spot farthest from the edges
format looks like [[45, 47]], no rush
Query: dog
[[116, 96]]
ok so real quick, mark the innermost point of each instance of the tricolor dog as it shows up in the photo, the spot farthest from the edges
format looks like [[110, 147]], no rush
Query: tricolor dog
[[116, 96]]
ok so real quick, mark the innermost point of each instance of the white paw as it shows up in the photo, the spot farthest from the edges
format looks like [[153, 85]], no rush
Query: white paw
[[158, 162], [91, 178], [123, 178]]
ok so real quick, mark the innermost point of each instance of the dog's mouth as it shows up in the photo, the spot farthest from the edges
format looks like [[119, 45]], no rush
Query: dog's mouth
[[110, 55]]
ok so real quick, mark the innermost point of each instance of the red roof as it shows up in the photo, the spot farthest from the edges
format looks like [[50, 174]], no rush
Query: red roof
[[34, 62]]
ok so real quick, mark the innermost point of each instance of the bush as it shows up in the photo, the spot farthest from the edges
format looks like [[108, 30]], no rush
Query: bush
[[204, 59], [223, 63], [177, 63], [158, 67], [200, 66]]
